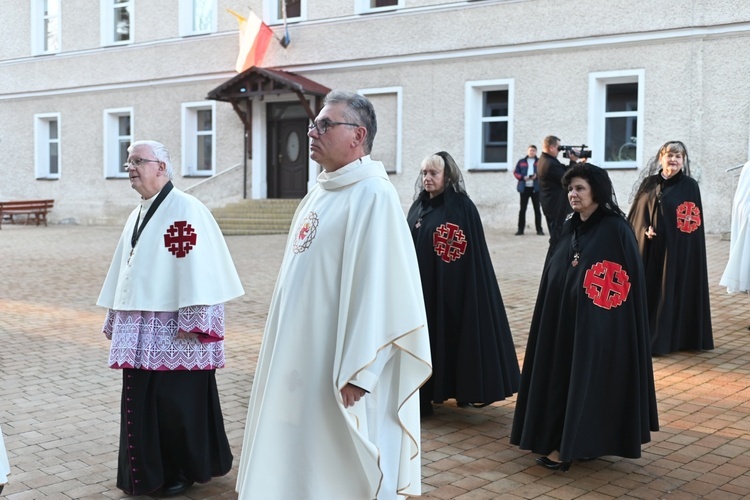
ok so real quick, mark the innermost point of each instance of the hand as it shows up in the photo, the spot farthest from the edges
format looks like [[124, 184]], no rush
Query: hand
[[183, 335], [350, 394], [650, 233]]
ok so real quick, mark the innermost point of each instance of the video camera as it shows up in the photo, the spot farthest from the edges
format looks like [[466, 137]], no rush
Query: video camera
[[579, 151]]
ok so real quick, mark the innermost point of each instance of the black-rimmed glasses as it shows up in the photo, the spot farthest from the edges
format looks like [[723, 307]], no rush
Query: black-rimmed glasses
[[322, 126]]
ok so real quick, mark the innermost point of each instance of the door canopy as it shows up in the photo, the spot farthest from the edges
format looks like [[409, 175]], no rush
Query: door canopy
[[256, 82]]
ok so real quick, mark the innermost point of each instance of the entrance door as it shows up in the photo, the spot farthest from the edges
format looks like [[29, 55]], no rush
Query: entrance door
[[287, 151]]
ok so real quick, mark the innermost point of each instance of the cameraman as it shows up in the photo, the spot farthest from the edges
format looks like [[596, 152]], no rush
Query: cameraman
[[553, 198]]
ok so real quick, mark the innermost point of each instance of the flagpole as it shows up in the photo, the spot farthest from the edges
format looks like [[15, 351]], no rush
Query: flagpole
[[285, 42]]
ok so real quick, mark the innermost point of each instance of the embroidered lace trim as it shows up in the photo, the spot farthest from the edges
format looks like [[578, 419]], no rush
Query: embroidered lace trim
[[191, 338]]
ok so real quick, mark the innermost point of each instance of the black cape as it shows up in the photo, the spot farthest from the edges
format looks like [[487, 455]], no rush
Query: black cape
[[473, 357], [675, 262], [587, 384]]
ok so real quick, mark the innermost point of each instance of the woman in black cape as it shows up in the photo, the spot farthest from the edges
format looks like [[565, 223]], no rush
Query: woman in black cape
[[587, 384], [473, 357], [667, 217]]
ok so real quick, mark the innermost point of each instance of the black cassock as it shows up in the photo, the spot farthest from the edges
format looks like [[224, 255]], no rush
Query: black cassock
[[587, 384], [675, 263], [473, 357]]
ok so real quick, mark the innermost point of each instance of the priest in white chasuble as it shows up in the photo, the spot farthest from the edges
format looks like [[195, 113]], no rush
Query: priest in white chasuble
[[165, 292], [334, 408], [736, 275]]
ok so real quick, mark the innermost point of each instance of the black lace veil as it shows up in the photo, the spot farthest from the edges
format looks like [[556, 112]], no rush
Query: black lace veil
[[601, 185], [653, 167], [451, 173]]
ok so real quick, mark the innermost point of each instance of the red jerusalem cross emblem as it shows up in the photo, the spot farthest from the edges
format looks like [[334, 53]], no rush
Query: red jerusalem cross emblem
[[180, 238], [607, 284], [688, 217], [306, 232], [449, 242]]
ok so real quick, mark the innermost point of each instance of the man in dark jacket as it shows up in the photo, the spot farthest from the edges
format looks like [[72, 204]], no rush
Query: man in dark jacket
[[553, 198], [528, 186]]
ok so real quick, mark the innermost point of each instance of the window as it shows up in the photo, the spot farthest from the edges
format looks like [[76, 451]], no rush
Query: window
[[388, 104], [296, 10], [616, 109], [116, 21], [118, 135], [489, 130], [197, 17], [45, 26], [367, 6], [47, 145], [198, 138]]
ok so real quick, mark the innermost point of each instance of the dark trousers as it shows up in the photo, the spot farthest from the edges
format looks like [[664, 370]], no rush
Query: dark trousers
[[529, 193]]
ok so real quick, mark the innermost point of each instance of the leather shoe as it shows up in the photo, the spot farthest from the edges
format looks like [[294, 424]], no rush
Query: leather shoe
[[176, 487], [519, 233], [540, 233], [552, 465]]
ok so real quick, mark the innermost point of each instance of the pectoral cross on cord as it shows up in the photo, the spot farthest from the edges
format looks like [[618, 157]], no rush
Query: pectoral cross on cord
[[138, 230]]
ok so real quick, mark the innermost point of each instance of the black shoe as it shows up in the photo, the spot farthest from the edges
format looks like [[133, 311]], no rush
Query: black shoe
[[519, 233], [539, 232], [552, 465], [176, 487], [462, 404]]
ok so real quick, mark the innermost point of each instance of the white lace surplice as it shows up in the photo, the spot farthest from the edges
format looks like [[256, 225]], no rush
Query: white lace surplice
[[148, 340]]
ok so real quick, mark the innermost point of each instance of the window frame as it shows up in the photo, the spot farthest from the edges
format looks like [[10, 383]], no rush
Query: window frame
[[107, 9], [365, 7], [112, 167], [598, 82], [273, 14], [187, 17], [473, 138], [398, 91], [38, 31], [42, 141], [190, 135]]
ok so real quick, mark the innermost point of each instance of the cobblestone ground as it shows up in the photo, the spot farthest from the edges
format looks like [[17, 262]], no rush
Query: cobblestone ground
[[59, 403]]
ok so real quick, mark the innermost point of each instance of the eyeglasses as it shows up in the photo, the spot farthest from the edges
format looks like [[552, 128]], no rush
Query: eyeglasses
[[322, 126], [137, 162]]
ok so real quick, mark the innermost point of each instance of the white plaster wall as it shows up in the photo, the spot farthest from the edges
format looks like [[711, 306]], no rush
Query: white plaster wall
[[82, 194], [696, 85], [679, 104]]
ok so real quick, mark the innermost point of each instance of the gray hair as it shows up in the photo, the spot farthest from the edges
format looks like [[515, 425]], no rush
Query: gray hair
[[358, 110], [159, 151]]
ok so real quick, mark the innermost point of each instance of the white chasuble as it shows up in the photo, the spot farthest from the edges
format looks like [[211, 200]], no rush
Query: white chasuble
[[737, 273], [347, 307], [4, 465]]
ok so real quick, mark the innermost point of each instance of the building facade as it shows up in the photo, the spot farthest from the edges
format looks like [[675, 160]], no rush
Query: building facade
[[481, 79]]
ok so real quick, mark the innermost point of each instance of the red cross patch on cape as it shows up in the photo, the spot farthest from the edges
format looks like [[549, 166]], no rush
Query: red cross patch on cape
[[688, 217], [449, 242], [306, 232], [607, 284], [180, 238]]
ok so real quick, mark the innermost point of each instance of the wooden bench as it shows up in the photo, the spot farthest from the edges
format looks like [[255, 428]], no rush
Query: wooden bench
[[32, 209]]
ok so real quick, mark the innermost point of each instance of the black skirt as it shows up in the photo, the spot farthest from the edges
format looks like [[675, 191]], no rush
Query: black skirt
[[171, 427]]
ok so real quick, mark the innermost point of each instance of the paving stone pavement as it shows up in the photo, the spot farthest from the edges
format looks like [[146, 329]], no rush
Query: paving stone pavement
[[59, 403]]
